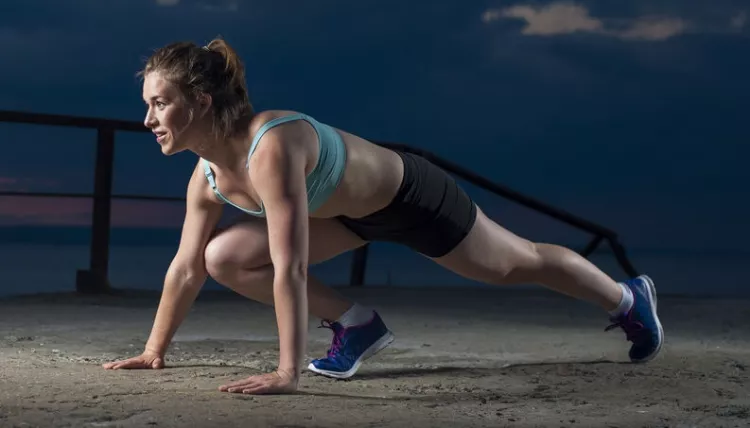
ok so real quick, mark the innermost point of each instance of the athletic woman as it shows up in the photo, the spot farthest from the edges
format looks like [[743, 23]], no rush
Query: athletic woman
[[310, 192]]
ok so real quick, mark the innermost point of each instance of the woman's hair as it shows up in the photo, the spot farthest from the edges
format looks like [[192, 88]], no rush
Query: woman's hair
[[214, 69]]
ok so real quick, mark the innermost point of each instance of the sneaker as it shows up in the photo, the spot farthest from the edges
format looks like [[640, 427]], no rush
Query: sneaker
[[641, 323], [351, 346]]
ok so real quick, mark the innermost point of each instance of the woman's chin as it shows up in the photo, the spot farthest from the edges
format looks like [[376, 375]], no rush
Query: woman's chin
[[168, 148]]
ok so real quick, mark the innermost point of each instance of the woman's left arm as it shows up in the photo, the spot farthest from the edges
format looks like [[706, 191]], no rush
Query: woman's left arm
[[278, 175]]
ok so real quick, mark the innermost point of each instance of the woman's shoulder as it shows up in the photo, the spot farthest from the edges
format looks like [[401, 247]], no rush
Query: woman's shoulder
[[268, 122], [264, 117]]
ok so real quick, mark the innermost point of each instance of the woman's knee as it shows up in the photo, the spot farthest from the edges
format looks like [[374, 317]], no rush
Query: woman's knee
[[225, 260], [543, 261], [217, 260], [523, 264]]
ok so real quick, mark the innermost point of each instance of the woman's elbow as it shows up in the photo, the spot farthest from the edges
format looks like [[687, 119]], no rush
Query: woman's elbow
[[293, 272], [185, 274]]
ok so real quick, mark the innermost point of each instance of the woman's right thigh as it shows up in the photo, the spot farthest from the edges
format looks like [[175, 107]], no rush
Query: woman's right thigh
[[244, 244]]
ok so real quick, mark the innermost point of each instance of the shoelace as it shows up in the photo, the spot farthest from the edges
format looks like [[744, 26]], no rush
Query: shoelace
[[634, 330], [338, 333]]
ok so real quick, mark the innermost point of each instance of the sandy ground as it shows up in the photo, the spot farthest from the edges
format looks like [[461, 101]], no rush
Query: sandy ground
[[462, 357]]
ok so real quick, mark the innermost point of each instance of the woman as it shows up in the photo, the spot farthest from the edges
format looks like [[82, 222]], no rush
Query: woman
[[312, 192]]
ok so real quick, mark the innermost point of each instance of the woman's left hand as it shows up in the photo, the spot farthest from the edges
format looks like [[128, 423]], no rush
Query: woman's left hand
[[277, 382]]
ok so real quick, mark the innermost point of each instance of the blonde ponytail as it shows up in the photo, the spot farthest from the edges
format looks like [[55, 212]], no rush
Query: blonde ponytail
[[232, 64]]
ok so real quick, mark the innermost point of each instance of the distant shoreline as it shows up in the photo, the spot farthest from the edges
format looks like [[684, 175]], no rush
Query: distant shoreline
[[159, 236], [152, 295]]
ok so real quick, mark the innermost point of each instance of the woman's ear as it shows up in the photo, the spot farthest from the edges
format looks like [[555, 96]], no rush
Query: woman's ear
[[204, 104]]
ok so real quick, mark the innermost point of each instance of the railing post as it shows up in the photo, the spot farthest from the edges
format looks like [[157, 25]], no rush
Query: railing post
[[591, 246], [622, 257], [95, 280], [359, 263]]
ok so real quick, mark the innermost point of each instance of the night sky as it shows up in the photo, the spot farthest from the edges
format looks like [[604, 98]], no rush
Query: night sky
[[634, 115]]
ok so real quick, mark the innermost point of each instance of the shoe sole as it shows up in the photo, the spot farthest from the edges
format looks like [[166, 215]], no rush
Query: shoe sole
[[376, 347], [653, 303]]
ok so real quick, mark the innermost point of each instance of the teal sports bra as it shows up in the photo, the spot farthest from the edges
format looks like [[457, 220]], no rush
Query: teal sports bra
[[321, 182]]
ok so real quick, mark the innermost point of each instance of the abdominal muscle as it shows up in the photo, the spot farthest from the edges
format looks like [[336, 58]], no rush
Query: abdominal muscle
[[371, 179]]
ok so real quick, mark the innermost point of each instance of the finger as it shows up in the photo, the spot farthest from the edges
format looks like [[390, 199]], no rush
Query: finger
[[114, 365], [133, 366], [267, 387], [130, 364], [257, 390], [240, 385], [236, 383], [240, 388]]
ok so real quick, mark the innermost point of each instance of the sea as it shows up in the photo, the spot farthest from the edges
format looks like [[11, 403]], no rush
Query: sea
[[46, 260]]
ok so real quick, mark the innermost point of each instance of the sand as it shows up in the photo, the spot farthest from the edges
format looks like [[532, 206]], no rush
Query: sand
[[472, 357]]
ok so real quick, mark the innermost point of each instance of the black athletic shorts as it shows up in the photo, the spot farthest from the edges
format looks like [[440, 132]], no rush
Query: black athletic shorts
[[430, 213]]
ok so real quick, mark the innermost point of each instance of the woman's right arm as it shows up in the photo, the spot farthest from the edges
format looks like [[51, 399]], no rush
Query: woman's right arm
[[186, 273]]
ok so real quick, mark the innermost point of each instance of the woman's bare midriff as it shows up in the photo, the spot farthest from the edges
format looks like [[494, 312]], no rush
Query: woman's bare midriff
[[371, 180]]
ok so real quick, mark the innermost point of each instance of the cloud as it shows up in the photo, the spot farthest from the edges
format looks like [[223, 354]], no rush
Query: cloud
[[167, 2], [738, 21], [556, 18], [649, 28], [567, 18]]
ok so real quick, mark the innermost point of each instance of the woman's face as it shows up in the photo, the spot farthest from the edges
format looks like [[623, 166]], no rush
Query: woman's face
[[170, 116]]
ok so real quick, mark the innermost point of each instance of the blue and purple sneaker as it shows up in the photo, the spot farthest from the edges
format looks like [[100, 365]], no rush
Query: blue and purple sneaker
[[351, 346], [641, 323]]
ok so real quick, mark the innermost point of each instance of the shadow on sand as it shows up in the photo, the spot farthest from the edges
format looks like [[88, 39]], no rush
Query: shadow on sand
[[411, 372]]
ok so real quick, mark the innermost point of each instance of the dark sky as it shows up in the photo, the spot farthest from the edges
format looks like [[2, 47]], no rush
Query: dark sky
[[634, 115]]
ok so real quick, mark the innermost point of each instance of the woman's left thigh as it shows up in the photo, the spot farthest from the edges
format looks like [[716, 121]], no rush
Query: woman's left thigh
[[490, 253]]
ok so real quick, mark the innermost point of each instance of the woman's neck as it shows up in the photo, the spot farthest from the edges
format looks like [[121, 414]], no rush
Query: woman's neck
[[228, 154]]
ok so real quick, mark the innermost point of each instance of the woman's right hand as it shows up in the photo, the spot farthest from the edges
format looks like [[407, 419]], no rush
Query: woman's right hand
[[147, 360]]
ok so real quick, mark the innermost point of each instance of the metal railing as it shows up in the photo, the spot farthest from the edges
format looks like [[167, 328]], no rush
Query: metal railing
[[95, 279]]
